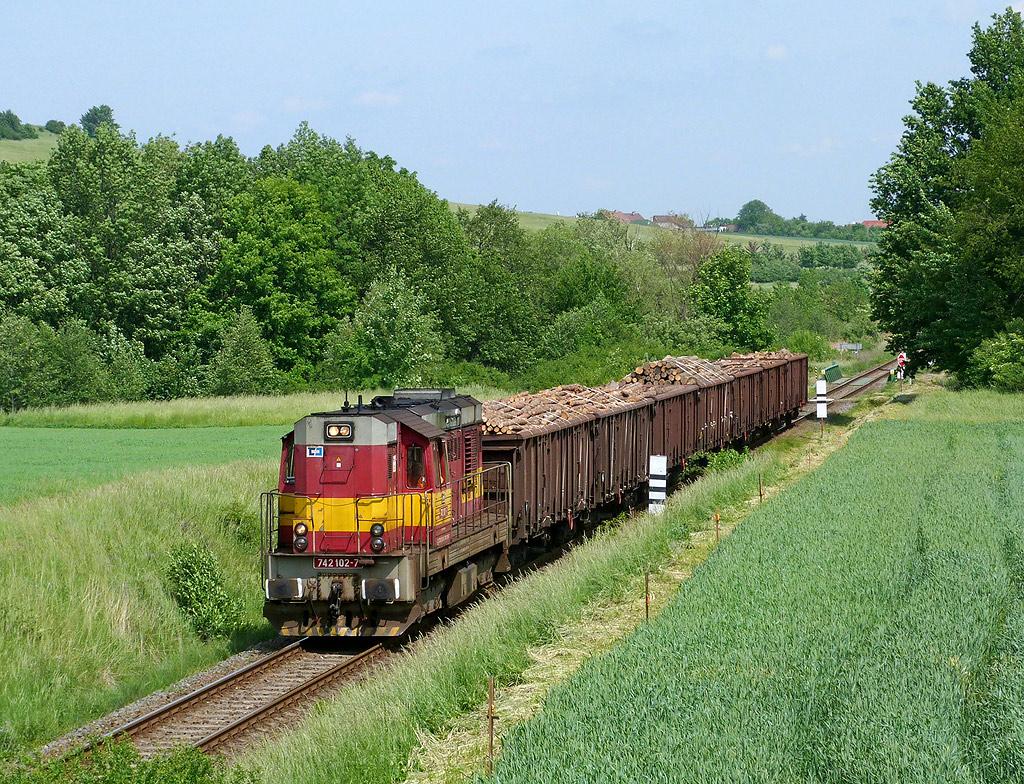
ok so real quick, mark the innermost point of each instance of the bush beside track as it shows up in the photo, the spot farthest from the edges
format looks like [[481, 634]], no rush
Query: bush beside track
[[867, 625]]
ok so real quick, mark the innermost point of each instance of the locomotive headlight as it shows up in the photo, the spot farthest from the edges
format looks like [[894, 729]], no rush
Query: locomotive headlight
[[377, 530], [377, 544], [300, 543], [338, 431], [301, 529]]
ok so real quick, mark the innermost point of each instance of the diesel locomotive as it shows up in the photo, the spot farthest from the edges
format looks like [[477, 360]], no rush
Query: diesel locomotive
[[390, 510]]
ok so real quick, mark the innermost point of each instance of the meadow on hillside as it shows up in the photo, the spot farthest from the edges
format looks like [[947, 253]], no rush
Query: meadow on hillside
[[28, 150]]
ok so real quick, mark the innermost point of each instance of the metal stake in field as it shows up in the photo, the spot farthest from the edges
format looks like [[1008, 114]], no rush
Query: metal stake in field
[[647, 596], [760, 488], [718, 528], [490, 725]]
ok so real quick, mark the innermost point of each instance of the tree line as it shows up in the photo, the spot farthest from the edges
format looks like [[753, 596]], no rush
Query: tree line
[[756, 217], [150, 270], [949, 281]]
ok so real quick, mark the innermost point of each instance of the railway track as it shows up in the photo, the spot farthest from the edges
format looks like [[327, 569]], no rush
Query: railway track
[[853, 386], [247, 705]]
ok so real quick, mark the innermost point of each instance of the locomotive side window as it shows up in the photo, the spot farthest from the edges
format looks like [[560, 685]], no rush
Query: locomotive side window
[[440, 465], [415, 467], [289, 471]]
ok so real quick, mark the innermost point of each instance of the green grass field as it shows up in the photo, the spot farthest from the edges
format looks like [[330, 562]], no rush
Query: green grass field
[[26, 150], [38, 462], [536, 221], [242, 411], [866, 625]]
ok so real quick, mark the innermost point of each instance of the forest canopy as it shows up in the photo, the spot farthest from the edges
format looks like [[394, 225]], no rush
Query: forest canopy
[[136, 270]]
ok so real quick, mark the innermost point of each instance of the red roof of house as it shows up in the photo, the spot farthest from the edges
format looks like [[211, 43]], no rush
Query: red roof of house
[[875, 224], [625, 217]]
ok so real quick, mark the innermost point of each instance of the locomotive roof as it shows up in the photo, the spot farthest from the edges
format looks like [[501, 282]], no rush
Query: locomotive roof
[[428, 411]]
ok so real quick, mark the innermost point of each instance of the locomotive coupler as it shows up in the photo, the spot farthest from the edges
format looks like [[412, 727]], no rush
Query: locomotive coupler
[[334, 603]]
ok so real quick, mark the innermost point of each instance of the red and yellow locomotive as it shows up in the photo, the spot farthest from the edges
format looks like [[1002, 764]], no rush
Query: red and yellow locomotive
[[383, 512]]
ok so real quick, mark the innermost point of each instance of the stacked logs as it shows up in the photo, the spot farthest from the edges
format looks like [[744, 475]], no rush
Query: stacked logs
[[677, 370], [571, 403]]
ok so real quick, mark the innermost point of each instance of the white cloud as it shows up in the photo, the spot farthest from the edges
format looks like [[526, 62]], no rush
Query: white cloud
[[776, 52], [248, 119], [296, 104], [814, 149], [377, 99]]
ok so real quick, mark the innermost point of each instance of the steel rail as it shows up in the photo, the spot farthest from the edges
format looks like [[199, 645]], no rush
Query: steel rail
[[194, 700], [164, 712], [303, 691]]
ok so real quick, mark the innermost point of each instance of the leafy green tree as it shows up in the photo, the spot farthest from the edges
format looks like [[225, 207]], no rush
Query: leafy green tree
[[216, 173], [928, 294], [723, 291], [11, 127], [42, 366], [144, 248], [384, 217], [131, 372], [97, 116], [243, 365], [40, 268], [757, 217], [23, 377], [505, 314], [75, 365], [55, 126], [392, 340], [280, 257]]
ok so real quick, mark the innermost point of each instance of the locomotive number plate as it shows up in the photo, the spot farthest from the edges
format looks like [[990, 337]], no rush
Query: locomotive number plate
[[334, 562]]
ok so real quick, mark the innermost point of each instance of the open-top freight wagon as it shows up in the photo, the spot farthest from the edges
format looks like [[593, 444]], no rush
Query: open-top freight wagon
[[391, 510]]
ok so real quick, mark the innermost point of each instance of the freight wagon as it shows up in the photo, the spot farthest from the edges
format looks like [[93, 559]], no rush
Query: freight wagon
[[388, 511]]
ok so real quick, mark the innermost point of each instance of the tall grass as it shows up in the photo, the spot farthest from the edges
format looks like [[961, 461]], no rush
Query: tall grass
[[366, 733], [866, 625], [87, 622], [202, 411]]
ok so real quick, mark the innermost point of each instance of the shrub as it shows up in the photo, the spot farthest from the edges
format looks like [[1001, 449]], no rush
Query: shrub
[[55, 126], [243, 365], [999, 361], [243, 522], [197, 585], [11, 127], [803, 341]]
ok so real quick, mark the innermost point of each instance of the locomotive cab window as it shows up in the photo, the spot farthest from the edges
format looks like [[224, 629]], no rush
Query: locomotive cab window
[[415, 467], [289, 470]]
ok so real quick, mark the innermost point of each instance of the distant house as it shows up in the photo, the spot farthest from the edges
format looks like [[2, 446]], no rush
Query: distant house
[[625, 217], [875, 224], [675, 222]]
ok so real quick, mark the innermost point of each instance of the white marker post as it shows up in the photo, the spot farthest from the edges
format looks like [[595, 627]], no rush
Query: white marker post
[[658, 473], [821, 401]]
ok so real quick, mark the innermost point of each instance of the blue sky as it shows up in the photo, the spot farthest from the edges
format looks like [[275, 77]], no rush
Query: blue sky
[[553, 107]]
